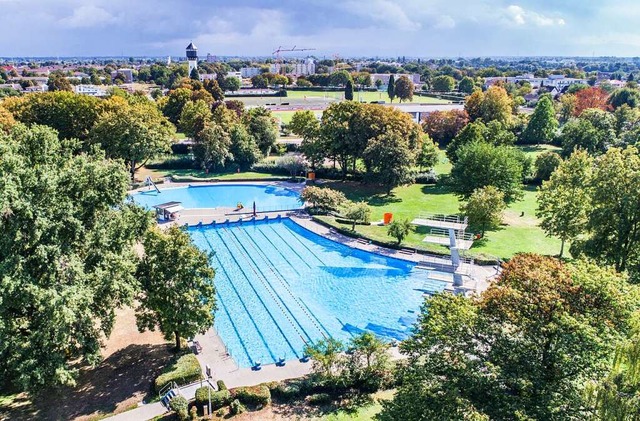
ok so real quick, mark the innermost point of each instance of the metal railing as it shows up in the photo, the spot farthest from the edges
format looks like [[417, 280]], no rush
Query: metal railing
[[451, 219], [459, 234]]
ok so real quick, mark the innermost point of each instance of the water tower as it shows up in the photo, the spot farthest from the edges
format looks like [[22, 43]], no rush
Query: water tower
[[192, 57]]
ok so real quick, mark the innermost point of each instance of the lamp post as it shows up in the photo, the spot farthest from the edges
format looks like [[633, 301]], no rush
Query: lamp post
[[208, 370]]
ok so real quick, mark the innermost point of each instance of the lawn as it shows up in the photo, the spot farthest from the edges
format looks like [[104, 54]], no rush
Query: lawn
[[365, 96]]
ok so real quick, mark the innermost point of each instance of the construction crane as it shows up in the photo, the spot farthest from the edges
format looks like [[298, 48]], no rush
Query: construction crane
[[283, 50]]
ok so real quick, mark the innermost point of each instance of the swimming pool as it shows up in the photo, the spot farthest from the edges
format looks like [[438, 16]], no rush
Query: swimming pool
[[280, 286], [266, 197]]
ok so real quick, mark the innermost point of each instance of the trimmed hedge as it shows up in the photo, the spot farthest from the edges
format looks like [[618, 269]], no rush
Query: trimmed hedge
[[184, 370], [219, 399], [190, 179], [180, 405], [237, 407], [221, 385], [320, 399], [254, 395]]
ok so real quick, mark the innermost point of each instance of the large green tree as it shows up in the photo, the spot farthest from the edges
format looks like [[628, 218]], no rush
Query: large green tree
[[134, 133], [614, 217], [543, 123], [484, 208], [243, 149], [594, 131], [193, 118], [212, 147], [481, 164], [263, 127], [66, 255], [389, 159], [177, 294], [443, 83], [522, 350], [564, 201]]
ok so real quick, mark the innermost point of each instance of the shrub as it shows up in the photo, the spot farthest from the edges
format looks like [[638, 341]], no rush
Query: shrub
[[184, 370], [426, 178], [177, 162], [323, 199], [237, 407], [180, 405], [180, 148], [221, 385], [399, 230], [358, 212], [320, 399], [255, 395], [193, 413], [219, 399], [546, 164]]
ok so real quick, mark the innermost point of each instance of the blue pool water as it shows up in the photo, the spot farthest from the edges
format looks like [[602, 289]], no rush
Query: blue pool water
[[223, 195], [280, 286]]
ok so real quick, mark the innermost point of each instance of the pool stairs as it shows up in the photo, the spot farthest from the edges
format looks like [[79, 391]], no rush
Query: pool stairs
[[168, 392]]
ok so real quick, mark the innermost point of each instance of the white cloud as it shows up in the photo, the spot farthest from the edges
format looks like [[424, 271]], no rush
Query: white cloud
[[382, 11], [445, 22], [88, 17], [516, 15]]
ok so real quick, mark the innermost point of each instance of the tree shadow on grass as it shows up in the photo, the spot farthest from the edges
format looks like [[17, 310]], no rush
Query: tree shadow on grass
[[436, 189], [127, 373]]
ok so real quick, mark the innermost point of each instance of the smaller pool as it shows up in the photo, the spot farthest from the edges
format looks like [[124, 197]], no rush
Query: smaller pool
[[266, 197]]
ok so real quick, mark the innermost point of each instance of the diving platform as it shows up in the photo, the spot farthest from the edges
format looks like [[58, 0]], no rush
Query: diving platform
[[463, 240], [446, 222]]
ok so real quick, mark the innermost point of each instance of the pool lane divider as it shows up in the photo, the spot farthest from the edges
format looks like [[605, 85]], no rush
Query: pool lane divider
[[282, 281], [270, 289], [262, 301], [291, 248], [307, 247], [280, 253], [255, 325]]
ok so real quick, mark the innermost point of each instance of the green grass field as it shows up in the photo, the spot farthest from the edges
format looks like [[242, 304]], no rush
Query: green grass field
[[518, 233]]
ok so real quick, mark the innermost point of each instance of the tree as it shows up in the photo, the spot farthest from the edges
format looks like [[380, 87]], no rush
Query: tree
[[340, 78], [176, 100], [6, 120], [471, 133], [521, 350], [337, 133], [466, 85], [66, 247], [367, 365], [494, 104], [243, 149], [404, 88], [484, 208], [591, 98], [134, 133], [325, 354], [543, 123], [232, 83], [259, 82], [194, 75], [429, 154], [177, 294], [399, 230], [212, 147], [262, 126], [546, 163], [194, 116], [443, 83], [292, 163], [389, 158], [348, 90], [567, 107], [323, 199], [614, 221], [357, 212], [481, 164], [628, 96], [58, 82], [391, 88], [443, 126], [305, 124], [213, 87], [593, 131], [564, 202]]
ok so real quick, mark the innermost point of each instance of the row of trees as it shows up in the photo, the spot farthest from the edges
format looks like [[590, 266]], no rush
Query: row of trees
[[385, 141]]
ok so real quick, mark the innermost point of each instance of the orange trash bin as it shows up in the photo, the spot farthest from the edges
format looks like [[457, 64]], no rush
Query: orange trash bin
[[387, 218], [311, 175]]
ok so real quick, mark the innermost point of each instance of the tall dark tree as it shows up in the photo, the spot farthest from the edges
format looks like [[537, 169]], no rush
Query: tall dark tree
[[404, 88], [391, 88], [543, 123], [348, 90]]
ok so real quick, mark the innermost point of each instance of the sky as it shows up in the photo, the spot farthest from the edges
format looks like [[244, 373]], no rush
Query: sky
[[386, 28]]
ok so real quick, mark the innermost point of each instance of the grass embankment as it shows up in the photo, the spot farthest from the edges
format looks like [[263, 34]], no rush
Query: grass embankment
[[519, 231]]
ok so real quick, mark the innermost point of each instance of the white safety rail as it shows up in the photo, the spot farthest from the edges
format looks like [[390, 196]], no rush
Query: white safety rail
[[441, 221], [463, 240]]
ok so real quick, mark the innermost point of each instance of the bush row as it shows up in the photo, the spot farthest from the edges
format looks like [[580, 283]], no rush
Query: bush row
[[254, 395], [184, 370], [219, 399]]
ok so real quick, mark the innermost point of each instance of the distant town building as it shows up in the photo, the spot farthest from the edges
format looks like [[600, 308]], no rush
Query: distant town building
[[37, 88], [250, 72], [211, 58], [308, 67], [384, 77], [237, 75], [553, 81], [90, 90], [126, 73], [14, 86], [192, 57]]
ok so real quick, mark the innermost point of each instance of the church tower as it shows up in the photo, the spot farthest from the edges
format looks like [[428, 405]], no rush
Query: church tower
[[192, 57]]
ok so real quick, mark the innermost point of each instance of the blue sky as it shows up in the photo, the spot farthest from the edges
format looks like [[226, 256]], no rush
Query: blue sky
[[423, 28]]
